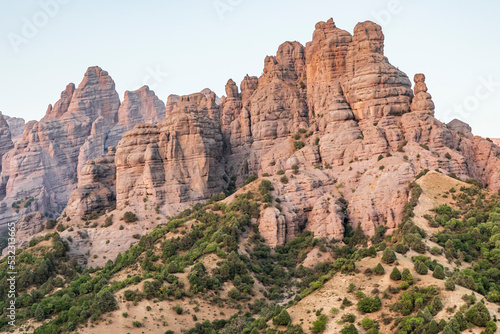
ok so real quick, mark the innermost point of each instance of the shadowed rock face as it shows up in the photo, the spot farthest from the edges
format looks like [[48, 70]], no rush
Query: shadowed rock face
[[140, 106], [336, 109], [175, 162]]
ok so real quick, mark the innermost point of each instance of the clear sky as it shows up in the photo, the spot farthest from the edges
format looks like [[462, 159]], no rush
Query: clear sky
[[181, 47]]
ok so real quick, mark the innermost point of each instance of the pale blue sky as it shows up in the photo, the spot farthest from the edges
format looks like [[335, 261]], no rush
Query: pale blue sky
[[180, 47]]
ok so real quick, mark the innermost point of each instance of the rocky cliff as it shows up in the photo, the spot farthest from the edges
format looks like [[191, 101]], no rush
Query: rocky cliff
[[49, 160], [16, 126], [6, 142], [175, 162], [336, 127]]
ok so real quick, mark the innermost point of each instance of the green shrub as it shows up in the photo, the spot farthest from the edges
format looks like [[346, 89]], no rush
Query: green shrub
[[284, 179], [388, 256], [418, 246], [39, 313], [137, 324], [50, 224], [349, 329], [401, 248], [108, 221], [178, 309], [478, 314], [297, 145], [420, 267], [234, 294], [129, 217], [319, 325], [438, 272], [379, 270], [369, 305], [436, 305], [436, 250], [265, 187], [367, 323], [282, 319], [251, 178], [395, 274]]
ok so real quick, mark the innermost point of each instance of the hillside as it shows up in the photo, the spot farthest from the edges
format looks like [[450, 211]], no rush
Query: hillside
[[208, 269]]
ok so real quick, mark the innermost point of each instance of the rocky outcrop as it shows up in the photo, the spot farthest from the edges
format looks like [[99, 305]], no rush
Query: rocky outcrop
[[461, 127], [326, 69], [16, 127], [422, 101], [374, 87], [140, 106], [96, 190], [176, 162], [371, 86], [6, 143], [62, 105], [44, 163], [258, 127]]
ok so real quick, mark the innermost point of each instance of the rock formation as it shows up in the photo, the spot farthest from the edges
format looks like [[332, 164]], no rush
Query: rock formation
[[422, 101], [175, 162], [461, 127], [96, 190], [140, 106], [16, 127], [47, 161], [6, 142]]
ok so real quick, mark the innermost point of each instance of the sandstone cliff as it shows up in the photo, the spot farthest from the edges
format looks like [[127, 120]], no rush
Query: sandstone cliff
[[50, 158], [175, 162], [16, 126]]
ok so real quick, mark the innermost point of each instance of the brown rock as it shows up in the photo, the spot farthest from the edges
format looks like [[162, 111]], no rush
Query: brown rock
[[175, 163], [6, 143], [140, 106], [16, 127], [96, 190], [45, 162], [422, 101], [461, 127]]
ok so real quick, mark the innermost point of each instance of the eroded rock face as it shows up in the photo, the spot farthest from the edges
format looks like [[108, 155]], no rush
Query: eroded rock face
[[44, 163], [140, 106], [369, 83], [96, 190], [176, 162], [374, 87], [257, 124], [422, 101], [6, 142], [461, 127], [16, 127]]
